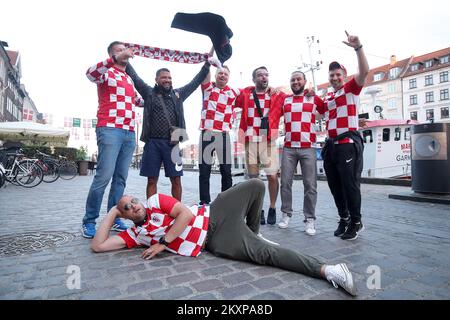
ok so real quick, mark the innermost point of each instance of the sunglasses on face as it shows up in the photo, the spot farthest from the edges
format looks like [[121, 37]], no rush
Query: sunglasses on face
[[130, 204]]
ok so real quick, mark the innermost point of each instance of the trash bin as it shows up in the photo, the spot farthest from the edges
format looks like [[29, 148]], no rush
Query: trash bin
[[430, 163], [83, 167]]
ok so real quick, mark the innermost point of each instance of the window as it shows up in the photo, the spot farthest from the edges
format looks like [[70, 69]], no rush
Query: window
[[392, 87], [430, 114], [444, 59], [378, 76], [2, 70], [412, 83], [444, 113], [415, 67], [407, 134], [413, 99], [428, 63], [429, 80], [398, 134], [392, 103], [443, 76], [413, 115], [1, 104], [429, 96], [9, 105], [444, 94], [386, 134], [367, 136], [393, 73]]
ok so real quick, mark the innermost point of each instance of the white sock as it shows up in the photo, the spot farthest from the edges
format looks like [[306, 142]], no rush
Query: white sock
[[327, 270]]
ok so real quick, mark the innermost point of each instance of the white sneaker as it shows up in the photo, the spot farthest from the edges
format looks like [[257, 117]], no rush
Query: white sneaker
[[309, 227], [339, 275], [271, 242], [284, 221]]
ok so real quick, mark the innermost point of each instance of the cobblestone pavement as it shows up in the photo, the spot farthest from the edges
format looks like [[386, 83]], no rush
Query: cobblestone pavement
[[407, 242]]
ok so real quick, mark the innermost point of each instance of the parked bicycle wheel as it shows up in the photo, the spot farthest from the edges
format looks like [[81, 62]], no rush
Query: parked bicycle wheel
[[28, 174], [2, 179], [68, 170], [50, 169]]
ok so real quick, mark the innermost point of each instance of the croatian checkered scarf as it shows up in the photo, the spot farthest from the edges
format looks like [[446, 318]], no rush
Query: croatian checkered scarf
[[167, 54]]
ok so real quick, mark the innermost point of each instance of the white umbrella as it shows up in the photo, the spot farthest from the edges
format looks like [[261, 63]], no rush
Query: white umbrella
[[35, 132]]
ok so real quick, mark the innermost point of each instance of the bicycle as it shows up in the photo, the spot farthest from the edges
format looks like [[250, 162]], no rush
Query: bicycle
[[67, 168], [49, 165], [24, 172], [2, 175]]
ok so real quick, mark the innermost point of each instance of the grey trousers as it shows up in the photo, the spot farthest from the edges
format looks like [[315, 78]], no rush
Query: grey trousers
[[233, 227], [308, 164]]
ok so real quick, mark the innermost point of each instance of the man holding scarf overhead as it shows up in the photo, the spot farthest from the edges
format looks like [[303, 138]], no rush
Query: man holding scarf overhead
[[164, 126]]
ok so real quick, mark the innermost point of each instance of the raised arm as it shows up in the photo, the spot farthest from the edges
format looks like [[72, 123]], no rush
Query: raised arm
[[208, 76], [363, 65], [187, 90], [99, 72], [143, 88], [102, 242]]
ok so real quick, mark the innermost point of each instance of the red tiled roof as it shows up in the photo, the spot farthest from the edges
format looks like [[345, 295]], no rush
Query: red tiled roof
[[13, 55], [402, 64], [429, 56]]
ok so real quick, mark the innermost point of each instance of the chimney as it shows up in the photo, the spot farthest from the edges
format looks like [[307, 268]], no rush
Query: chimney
[[393, 59]]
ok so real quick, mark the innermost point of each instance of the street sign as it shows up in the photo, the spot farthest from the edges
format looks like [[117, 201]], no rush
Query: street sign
[[77, 122]]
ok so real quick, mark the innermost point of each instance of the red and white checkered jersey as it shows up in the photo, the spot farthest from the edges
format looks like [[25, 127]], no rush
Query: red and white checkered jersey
[[341, 110], [253, 133], [159, 222], [300, 120], [218, 106], [117, 97]]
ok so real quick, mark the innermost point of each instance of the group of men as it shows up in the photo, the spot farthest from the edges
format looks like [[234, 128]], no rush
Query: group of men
[[229, 225]]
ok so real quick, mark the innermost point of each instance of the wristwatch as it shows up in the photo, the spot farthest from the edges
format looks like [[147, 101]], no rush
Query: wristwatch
[[163, 241]]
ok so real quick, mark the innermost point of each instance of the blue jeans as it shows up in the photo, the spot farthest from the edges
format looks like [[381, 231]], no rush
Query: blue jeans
[[115, 151]]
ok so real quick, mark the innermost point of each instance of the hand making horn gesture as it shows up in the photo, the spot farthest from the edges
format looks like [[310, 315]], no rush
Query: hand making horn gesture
[[352, 41]]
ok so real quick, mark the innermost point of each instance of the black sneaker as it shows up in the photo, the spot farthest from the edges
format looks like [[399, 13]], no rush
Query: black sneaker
[[342, 226], [272, 216], [352, 231], [263, 220]]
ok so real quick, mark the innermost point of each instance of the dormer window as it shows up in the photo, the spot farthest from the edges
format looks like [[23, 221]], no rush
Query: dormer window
[[394, 72], [378, 76], [444, 59], [428, 63], [415, 67]]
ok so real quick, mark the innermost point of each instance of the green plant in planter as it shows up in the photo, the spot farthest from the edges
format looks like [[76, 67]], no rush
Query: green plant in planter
[[81, 154]]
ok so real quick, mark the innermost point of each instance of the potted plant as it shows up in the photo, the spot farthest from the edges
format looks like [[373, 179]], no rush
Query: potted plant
[[82, 161]]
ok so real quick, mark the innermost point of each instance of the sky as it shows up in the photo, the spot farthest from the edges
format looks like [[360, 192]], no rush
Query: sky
[[59, 40]]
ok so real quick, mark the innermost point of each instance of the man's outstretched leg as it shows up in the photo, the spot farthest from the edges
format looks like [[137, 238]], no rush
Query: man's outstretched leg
[[229, 236]]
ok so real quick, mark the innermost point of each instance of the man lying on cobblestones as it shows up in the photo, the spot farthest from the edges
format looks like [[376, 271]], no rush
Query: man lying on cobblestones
[[228, 228]]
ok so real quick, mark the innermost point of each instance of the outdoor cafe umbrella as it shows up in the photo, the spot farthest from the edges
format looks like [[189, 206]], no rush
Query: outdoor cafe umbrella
[[35, 132]]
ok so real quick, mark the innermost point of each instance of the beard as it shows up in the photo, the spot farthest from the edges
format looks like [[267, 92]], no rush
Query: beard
[[299, 91], [262, 86], [122, 63]]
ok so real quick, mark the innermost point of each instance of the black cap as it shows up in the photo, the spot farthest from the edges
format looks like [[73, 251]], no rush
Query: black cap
[[209, 24], [336, 65]]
